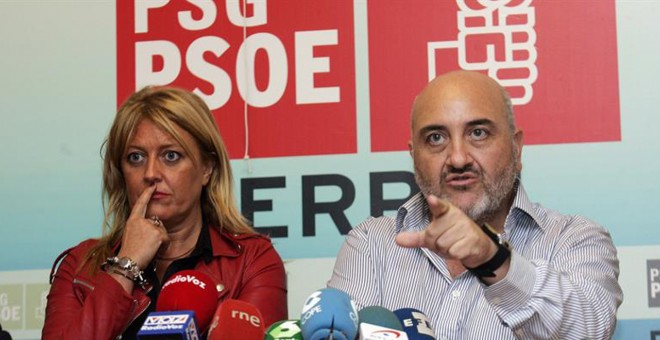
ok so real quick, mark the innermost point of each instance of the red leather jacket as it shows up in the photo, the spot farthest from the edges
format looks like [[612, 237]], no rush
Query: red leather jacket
[[80, 306]]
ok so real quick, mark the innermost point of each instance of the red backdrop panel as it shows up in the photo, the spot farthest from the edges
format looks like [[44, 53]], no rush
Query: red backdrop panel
[[199, 49], [558, 59]]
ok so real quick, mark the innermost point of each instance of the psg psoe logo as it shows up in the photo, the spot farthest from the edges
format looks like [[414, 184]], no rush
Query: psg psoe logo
[[278, 72], [275, 73], [520, 43], [510, 54]]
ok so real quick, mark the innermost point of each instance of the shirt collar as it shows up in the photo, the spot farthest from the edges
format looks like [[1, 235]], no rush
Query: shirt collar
[[522, 208]]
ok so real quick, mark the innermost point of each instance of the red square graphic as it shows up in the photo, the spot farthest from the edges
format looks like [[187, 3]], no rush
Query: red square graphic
[[557, 59], [293, 65]]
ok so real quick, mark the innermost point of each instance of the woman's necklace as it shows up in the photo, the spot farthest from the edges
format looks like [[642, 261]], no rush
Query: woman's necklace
[[182, 255]]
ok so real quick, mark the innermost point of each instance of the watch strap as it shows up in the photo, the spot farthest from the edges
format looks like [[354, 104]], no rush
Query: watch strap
[[488, 268]]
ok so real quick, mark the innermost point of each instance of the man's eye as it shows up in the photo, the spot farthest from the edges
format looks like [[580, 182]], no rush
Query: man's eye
[[435, 139], [172, 156], [479, 134], [134, 157]]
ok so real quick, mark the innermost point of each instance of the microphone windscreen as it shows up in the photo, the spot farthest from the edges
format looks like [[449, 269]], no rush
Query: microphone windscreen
[[380, 316], [190, 290], [415, 324], [235, 319], [174, 325], [284, 330], [4, 335], [329, 312], [377, 322]]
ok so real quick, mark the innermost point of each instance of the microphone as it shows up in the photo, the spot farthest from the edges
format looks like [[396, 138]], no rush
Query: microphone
[[378, 323], [415, 324], [169, 325], [329, 313], [235, 319], [4, 335], [190, 290], [284, 330], [184, 307]]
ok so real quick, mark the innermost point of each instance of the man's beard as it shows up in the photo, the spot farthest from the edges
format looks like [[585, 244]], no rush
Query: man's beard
[[496, 190]]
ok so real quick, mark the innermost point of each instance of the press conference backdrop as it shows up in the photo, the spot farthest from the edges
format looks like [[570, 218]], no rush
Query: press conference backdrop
[[329, 86]]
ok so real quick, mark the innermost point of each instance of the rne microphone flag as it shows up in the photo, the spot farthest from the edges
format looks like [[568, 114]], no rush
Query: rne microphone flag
[[235, 319]]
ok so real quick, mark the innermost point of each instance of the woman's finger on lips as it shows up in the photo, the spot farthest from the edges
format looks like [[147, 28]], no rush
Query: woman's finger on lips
[[140, 206]]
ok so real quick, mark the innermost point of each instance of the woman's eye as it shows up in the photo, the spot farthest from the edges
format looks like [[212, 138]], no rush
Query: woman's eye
[[134, 157], [172, 156], [435, 138]]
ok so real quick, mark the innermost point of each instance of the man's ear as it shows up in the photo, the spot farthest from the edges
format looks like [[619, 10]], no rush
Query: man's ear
[[410, 148], [518, 144]]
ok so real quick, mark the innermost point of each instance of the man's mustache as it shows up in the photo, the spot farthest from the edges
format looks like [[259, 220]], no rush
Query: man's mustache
[[453, 172]]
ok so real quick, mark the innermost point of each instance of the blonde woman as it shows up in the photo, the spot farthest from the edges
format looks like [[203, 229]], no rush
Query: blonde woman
[[167, 186]]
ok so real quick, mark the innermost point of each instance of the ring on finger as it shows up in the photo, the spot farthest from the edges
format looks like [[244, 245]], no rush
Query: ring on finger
[[156, 221]]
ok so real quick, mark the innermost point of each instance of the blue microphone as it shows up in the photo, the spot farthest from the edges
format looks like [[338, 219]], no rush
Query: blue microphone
[[415, 324], [329, 313]]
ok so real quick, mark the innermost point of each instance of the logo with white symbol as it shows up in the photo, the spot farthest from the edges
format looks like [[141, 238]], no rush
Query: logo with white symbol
[[496, 38]]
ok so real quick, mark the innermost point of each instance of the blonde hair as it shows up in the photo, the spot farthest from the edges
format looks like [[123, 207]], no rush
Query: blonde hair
[[167, 107]]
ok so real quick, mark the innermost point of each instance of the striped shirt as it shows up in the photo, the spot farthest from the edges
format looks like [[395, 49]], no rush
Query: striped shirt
[[562, 282]]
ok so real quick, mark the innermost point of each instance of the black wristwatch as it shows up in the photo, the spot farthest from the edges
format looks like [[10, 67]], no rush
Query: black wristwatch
[[488, 268]]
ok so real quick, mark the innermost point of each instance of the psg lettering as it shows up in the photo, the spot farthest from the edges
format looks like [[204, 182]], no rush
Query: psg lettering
[[162, 61]]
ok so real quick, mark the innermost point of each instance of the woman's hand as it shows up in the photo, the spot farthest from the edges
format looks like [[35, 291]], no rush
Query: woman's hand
[[142, 236]]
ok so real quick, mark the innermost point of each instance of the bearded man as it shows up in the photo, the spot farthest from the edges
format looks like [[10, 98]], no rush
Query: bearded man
[[471, 251]]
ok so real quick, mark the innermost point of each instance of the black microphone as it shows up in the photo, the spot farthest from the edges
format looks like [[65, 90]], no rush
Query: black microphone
[[4, 335]]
